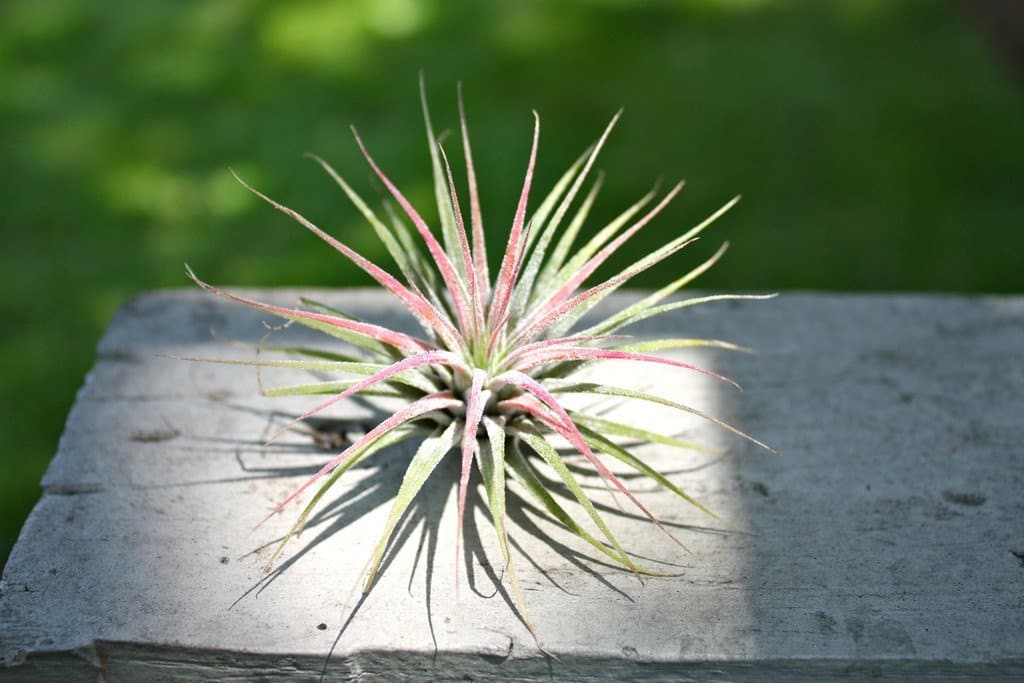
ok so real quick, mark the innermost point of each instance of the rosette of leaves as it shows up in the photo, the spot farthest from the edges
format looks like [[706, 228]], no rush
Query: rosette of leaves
[[485, 381]]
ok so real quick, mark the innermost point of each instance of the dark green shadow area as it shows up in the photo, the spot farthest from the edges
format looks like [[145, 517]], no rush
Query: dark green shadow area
[[879, 145]]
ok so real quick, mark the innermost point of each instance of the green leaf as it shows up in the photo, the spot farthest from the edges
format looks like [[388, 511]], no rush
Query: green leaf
[[355, 338], [426, 279], [441, 196], [548, 453], [325, 365], [385, 235], [565, 242], [550, 282], [540, 226], [428, 455], [322, 354], [334, 388], [592, 388], [309, 352], [599, 442], [569, 235], [388, 439], [664, 344], [412, 378], [613, 283], [619, 429], [620, 319], [524, 474], [491, 460], [320, 307]]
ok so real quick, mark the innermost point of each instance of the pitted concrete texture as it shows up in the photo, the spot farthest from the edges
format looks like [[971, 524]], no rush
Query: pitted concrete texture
[[886, 539]]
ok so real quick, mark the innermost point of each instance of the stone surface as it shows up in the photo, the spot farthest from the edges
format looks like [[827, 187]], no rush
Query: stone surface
[[886, 538]]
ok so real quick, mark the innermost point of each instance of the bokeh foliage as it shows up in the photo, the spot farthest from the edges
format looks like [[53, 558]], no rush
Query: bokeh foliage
[[878, 143]]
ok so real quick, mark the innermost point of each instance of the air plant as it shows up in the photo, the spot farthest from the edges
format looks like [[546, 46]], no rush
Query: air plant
[[485, 381]]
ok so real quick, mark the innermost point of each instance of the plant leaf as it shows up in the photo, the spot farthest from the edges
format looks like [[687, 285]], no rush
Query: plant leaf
[[556, 220], [561, 423], [644, 314], [455, 285], [306, 351], [427, 404], [383, 232], [475, 402], [555, 354], [524, 286], [572, 309], [547, 452], [475, 297], [320, 307], [451, 243], [559, 341], [578, 277], [619, 429], [325, 365], [614, 322], [555, 275], [426, 279], [421, 309], [491, 461], [479, 240], [409, 379], [510, 263], [361, 334], [427, 456], [520, 467], [380, 444], [594, 295], [412, 362], [590, 388], [665, 344], [622, 455], [331, 388], [309, 352]]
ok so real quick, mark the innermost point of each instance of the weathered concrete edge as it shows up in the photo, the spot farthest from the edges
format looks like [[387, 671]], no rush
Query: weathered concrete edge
[[116, 661]]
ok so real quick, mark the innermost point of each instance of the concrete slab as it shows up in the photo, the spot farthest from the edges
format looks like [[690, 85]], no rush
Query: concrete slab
[[888, 535]]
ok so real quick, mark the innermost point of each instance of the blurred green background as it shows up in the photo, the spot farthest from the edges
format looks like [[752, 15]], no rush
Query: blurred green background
[[879, 145]]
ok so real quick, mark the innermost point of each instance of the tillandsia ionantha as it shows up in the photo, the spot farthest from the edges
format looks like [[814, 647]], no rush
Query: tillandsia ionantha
[[486, 380]]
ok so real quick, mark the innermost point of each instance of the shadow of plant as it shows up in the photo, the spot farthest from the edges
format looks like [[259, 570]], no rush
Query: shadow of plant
[[423, 517]]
